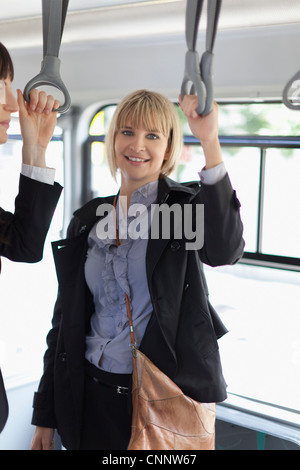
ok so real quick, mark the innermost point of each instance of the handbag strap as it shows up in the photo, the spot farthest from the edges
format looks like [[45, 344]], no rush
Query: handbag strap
[[132, 337]]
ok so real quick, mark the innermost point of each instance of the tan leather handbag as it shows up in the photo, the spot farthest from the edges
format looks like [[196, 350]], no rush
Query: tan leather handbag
[[163, 417]]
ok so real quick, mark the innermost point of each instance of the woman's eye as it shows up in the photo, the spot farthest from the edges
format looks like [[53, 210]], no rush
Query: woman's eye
[[126, 132], [152, 136]]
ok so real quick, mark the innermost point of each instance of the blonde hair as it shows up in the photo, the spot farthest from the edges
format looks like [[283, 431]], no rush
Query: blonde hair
[[153, 111]]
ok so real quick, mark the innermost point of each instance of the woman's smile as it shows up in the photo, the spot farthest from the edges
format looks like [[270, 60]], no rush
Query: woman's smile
[[134, 159]]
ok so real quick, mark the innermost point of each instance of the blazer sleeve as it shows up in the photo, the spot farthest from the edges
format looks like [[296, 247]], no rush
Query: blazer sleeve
[[23, 233], [223, 228]]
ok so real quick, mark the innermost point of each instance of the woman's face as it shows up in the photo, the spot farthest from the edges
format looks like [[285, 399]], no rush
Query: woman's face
[[140, 153], [8, 105]]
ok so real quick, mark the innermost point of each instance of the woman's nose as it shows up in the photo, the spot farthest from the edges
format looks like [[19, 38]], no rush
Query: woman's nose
[[138, 144], [11, 104]]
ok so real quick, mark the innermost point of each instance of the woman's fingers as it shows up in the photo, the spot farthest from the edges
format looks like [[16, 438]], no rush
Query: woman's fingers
[[189, 105], [56, 104], [21, 101], [49, 104], [33, 99], [38, 100], [41, 102]]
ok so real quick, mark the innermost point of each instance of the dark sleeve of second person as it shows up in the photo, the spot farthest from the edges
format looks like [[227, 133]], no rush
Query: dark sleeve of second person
[[23, 233]]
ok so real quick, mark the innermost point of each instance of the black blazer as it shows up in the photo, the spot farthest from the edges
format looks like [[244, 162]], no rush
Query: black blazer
[[181, 336], [22, 236]]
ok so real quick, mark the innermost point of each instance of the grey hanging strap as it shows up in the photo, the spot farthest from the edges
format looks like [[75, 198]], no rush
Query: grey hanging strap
[[54, 15], [200, 73], [293, 83]]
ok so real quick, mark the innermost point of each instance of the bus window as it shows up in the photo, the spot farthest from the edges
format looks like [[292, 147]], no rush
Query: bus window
[[101, 182], [281, 227]]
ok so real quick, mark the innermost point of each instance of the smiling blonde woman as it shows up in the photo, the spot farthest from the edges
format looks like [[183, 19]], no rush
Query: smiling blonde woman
[[86, 386]]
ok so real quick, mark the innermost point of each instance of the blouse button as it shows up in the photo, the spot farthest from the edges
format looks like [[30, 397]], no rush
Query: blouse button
[[63, 357], [175, 246]]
